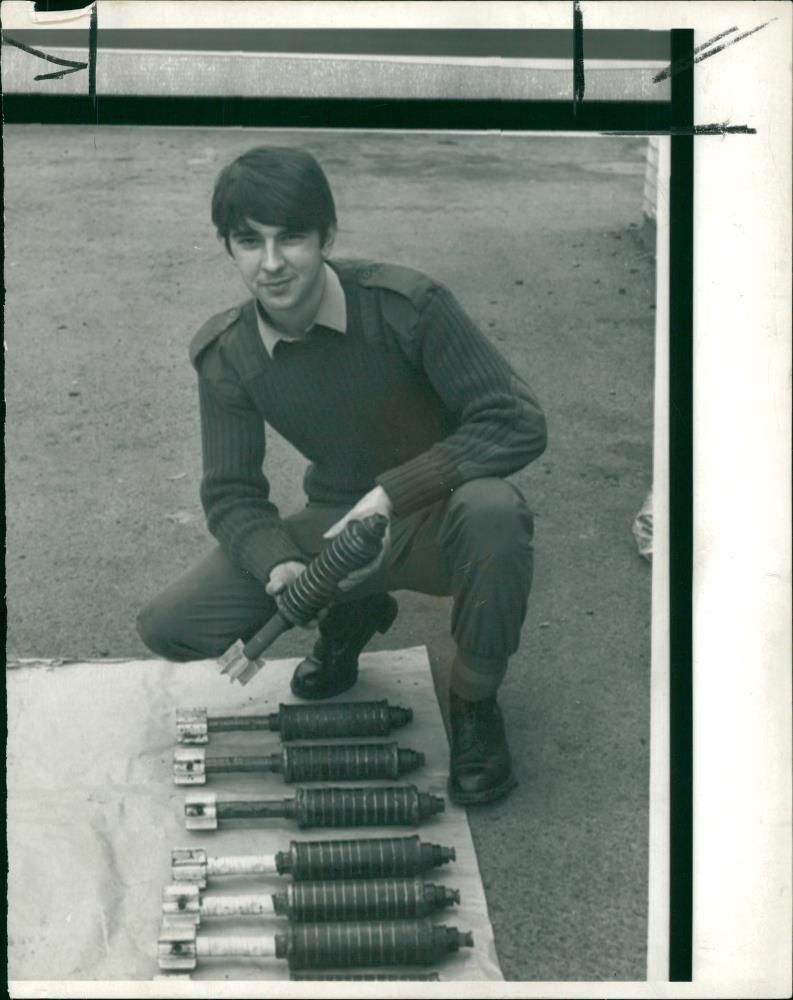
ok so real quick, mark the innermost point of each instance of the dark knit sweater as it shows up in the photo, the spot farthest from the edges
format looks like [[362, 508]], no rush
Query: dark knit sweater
[[412, 397]]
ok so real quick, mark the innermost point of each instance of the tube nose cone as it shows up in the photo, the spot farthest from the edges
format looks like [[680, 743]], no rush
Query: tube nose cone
[[446, 896], [430, 805], [409, 760], [399, 716]]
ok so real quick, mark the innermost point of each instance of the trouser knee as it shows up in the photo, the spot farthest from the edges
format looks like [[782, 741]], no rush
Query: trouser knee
[[486, 540], [161, 631], [488, 514], [151, 629]]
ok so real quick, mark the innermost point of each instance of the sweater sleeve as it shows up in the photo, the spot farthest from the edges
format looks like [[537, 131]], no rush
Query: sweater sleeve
[[501, 427], [234, 491]]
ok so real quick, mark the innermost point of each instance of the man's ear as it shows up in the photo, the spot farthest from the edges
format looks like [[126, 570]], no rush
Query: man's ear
[[330, 239]]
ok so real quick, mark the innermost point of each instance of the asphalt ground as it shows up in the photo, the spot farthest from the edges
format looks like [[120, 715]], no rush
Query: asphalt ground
[[112, 264]]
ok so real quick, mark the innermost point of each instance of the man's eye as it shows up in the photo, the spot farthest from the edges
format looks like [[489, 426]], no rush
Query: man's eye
[[246, 241], [293, 236]]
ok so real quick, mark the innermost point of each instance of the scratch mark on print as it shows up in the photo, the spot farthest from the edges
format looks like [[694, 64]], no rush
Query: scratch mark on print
[[705, 51]]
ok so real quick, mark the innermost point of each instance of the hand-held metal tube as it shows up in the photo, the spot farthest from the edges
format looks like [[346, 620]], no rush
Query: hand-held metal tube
[[331, 762], [318, 860], [397, 805], [340, 720], [266, 636], [299, 603], [352, 549]]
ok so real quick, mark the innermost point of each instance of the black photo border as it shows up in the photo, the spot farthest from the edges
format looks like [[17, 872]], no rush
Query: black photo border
[[674, 118], [681, 510]]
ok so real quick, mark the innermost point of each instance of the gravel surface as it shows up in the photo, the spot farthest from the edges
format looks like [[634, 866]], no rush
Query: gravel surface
[[112, 264]]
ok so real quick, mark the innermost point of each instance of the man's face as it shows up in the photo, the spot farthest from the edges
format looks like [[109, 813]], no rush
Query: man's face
[[282, 268]]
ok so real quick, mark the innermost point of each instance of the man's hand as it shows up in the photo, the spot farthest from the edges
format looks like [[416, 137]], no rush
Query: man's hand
[[376, 501], [282, 575]]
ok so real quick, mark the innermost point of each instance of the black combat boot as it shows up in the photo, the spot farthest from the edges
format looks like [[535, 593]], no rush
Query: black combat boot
[[343, 633], [480, 768]]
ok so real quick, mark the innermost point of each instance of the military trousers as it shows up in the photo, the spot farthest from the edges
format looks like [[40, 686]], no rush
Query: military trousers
[[475, 546]]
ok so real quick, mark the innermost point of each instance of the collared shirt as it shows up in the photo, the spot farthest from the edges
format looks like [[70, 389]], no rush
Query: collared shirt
[[332, 313]]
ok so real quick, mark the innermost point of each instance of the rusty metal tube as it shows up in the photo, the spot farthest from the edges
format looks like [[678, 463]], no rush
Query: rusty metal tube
[[310, 902], [307, 946], [318, 860], [358, 719], [327, 762], [351, 977], [356, 944], [396, 805]]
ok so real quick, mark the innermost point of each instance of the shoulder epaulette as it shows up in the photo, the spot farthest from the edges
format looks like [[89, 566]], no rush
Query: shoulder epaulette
[[404, 280], [210, 330]]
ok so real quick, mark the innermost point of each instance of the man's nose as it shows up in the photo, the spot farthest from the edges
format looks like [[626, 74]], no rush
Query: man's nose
[[271, 257]]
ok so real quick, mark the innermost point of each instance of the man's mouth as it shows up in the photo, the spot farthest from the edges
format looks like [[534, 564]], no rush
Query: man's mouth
[[281, 283]]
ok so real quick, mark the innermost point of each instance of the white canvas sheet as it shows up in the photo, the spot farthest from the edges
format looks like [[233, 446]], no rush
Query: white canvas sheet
[[93, 812]]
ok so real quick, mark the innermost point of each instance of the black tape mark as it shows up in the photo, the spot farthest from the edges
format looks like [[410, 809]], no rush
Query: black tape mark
[[51, 6], [724, 129], [579, 84], [92, 48], [719, 128], [685, 64], [710, 41], [74, 66], [57, 75]]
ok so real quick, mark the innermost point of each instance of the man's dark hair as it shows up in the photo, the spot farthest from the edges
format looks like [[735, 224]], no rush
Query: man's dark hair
[[274, 186]]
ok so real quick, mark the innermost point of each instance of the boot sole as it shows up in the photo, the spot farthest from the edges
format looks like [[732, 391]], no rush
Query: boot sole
[[320, 695], [486, 795]]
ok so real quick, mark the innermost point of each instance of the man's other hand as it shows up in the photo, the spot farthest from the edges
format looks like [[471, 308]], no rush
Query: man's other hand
[[282, 575], [376, 501]]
